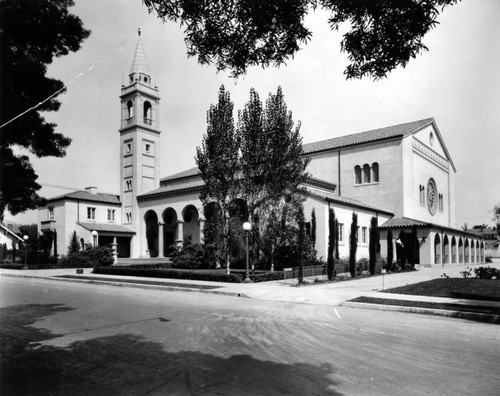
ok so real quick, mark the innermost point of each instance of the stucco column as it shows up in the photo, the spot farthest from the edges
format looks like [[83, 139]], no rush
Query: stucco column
[[201, 221], [180, 234], [160, 239], [114, 248]]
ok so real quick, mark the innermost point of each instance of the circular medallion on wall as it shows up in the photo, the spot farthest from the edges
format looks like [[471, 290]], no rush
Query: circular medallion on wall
[[432, 196]]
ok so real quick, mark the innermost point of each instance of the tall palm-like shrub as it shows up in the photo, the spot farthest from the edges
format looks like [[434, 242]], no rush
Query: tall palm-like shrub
[[353, 244], [337, 233], [74, 244], [390, 251], [330, 263], [374, 246]]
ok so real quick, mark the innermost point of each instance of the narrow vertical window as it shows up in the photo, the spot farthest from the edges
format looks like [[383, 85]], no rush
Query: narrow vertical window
[[441, 203], [357, 174], [51, 213], [422, 195], [130, 111], [341, 232], [366, 173], [363, 235], [375, 174]]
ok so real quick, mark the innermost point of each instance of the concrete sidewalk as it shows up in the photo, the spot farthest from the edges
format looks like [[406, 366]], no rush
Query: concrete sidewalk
[[334, 294]]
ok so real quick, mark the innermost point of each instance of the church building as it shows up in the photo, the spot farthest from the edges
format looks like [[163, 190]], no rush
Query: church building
[[401, 174]]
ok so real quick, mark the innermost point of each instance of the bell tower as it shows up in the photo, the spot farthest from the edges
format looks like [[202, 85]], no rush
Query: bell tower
[[139, 137]]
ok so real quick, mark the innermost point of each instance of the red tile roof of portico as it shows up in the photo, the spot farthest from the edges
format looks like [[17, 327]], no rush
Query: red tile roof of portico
[[103, 227], [374, 135], [406, 222]]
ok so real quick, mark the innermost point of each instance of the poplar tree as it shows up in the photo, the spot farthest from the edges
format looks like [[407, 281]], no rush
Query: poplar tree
[[353, 245], [330, 263], [217, 160]]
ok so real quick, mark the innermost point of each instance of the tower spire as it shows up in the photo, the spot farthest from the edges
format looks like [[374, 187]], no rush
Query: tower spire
[[139, 70]]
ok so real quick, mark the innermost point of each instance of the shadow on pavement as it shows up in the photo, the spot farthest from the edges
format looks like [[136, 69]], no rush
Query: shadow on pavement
[[126, 364]]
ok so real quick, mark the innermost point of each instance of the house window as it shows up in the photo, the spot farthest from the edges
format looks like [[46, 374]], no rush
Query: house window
[[341, 232], [363, 235], [147, 113], [111, 214], [357, 174], [441, 205], [128, 185], [90, 213], [366, 173], [422, 195], [129, 217], [51, 213], [128, 148], [375, 172]]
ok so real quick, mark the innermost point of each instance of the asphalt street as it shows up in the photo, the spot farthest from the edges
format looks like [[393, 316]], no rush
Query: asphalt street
[[63, 338]]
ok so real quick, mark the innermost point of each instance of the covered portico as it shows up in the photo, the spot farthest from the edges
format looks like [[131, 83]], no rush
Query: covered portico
[[437, 245]]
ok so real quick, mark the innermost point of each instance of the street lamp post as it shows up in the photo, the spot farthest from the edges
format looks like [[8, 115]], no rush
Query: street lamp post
[[94, 235], [247, 227], [25, 239]]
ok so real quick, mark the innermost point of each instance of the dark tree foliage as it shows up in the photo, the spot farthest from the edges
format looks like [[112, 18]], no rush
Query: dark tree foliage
[[32, 33], [30, 247], [374, 246], [353, 244], [401, 248], [236, 34], [313, 227], [390, 250], [330, 261]]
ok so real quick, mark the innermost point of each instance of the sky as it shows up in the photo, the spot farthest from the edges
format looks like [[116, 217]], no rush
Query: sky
[[457, 82]]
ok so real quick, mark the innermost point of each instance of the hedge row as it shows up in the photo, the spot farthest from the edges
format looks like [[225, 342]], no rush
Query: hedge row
[[168, 273]]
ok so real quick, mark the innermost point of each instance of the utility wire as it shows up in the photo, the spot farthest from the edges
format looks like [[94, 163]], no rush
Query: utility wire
[[69, 82]]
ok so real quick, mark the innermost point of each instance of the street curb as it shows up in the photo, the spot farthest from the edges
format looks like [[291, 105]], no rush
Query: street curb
[[480, 317], [136, 285]]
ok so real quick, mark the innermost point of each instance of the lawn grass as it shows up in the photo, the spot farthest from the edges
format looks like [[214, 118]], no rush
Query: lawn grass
[[467, 289]]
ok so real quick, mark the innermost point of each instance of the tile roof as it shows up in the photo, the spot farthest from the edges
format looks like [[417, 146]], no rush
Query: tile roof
[[86, 196], [397, 222], [106, 227], [406, 222], [330, 196], [374, 135], [187, 173]]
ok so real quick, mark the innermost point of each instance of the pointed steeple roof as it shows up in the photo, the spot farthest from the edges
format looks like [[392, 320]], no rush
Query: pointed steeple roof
[[139, 64]]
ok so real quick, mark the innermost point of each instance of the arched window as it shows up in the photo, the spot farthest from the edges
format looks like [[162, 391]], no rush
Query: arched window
[[357, 174], [366, 173], [147, 113], [375, 176], [130, 110]]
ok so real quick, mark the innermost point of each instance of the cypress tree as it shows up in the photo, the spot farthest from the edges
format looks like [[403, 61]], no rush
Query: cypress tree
[[353, 245], [74, 245], [330, 264], [390, 251], [300, 219], [313, 227], [374, 246], [337, 232]]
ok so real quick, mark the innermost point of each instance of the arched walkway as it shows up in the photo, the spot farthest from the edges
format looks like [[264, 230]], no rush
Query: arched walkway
[[191, 225], [169, 230], [453, 250], [437, 249], [446, 246], [460, 250], [466, 251]]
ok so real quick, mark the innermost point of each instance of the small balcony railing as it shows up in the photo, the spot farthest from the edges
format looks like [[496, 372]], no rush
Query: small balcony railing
[[129, 120], [148, 121]]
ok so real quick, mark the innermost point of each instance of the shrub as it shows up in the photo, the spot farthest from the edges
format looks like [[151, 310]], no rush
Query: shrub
[[78, 259], [169, 273], [12, 266], [191, 256], [488, 259], [487, 273], [268, 276]]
